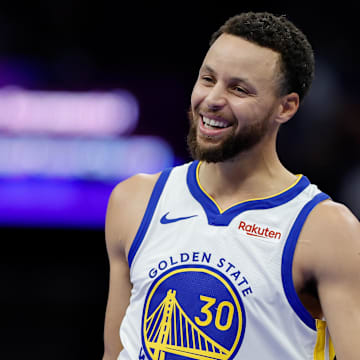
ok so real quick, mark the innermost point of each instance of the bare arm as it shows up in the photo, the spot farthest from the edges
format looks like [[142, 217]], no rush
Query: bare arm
[[335, 264], [118, 300], [126, 208]]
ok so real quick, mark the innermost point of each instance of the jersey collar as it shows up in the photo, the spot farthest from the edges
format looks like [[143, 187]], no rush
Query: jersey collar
[[217, 216]]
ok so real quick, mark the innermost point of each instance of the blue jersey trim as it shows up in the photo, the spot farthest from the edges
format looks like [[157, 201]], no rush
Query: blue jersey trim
[[156, 193], [287, 262], [215, 217]]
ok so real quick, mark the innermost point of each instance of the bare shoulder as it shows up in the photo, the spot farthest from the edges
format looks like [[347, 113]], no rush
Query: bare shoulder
[[132, 190], [330, 238], [332, 222], [126, 207]]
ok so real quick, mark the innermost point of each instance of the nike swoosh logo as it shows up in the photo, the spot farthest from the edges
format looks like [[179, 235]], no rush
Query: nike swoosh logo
[[165, 220]]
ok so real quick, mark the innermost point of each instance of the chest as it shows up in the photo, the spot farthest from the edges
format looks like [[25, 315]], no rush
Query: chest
[[182, 247]]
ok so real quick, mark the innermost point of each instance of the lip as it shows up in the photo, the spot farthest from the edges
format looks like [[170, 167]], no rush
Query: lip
[[213, 117], [214, 133]]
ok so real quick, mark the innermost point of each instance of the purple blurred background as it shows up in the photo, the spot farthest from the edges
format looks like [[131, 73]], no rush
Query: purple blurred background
[[53, 258]]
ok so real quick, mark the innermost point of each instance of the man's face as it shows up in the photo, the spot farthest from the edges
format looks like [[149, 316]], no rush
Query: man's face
[[233, 100]]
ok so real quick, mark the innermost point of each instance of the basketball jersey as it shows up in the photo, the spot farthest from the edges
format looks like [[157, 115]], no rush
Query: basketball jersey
[[210, 283]]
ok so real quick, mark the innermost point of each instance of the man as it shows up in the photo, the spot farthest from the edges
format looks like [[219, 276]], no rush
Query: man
[[232, 256]]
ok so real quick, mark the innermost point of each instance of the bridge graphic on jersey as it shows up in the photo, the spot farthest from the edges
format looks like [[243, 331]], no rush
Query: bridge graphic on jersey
[[169, 330]]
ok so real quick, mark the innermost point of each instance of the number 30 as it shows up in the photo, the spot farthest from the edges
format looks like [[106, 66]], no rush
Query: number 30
[[209, 316]]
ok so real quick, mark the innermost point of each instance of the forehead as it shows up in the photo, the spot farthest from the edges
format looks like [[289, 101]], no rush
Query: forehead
[[234, 56]]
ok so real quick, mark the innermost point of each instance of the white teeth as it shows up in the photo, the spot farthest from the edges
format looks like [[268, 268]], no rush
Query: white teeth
[[213, 122]]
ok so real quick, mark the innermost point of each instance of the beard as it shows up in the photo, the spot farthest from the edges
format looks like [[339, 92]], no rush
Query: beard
[[233, 145]]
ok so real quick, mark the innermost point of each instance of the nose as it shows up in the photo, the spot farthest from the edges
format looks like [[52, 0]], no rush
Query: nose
[[215, 98]]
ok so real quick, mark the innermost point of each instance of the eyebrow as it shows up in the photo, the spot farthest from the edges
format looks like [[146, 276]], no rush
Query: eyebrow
[[232, 79]]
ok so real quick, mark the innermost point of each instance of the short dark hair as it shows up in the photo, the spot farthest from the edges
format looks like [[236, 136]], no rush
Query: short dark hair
[[297, 62]]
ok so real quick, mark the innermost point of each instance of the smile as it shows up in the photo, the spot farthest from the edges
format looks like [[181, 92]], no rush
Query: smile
[[211, 123], [213, 127]]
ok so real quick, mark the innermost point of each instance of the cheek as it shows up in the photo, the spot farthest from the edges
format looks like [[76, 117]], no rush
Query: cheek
[[197, 96], [247, 111], [242, 111]]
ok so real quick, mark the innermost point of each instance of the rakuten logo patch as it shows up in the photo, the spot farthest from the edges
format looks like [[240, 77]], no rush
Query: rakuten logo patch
[[259, 231]]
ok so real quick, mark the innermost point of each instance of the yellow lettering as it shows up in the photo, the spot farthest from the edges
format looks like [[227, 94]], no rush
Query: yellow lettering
[[205, 310], [230, 315]]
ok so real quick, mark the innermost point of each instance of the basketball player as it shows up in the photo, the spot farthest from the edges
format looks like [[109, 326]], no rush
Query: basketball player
[[232, 256]]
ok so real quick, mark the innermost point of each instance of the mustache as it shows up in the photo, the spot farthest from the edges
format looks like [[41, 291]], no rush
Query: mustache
[[191, 112]]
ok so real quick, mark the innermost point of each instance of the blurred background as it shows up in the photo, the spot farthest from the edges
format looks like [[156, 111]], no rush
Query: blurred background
[[91, 93]]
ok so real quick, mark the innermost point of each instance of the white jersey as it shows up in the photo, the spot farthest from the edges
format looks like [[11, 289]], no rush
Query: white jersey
[[217, 284]]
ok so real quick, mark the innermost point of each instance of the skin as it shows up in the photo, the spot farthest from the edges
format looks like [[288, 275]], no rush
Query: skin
[[326, 267]]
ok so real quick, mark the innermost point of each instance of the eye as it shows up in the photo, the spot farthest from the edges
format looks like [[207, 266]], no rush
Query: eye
[[239, 89], [207, 79]]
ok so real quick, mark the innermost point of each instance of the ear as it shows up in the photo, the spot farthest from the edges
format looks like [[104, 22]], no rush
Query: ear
[[288, 107]]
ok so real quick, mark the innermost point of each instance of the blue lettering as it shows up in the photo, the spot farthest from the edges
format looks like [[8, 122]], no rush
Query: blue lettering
[[243, 282], [163, 265], [221, 263], [195, 256], [236, 274], [206, 257], [152, 273], [184, 257], [230, 267], [172, 262], [247, 291]]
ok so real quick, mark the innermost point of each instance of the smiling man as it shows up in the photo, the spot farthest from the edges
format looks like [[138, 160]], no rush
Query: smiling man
[[232, 256]]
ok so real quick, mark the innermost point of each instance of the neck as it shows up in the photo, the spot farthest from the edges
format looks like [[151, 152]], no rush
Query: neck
[[253, 174]]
